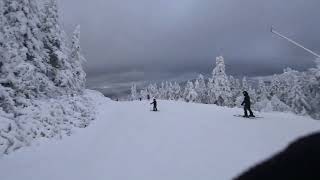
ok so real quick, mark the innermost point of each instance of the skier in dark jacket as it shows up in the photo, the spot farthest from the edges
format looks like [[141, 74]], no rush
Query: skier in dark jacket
[[247, 105], [154, 105]]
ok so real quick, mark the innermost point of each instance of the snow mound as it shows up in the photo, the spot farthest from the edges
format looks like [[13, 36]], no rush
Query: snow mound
[[182, 141], [46, 118]]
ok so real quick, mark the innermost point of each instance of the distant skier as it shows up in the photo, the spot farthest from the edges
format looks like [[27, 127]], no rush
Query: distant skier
[[148, 97], [247, 105], [154, 105]]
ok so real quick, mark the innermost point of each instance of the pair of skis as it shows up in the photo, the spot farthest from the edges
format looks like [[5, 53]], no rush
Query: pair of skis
[[155, 111], [241, 116]]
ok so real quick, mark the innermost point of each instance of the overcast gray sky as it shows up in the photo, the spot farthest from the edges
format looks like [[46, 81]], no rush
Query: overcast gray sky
[[142, 40]]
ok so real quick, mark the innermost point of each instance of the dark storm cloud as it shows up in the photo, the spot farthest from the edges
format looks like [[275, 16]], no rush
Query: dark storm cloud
[[179, 37]]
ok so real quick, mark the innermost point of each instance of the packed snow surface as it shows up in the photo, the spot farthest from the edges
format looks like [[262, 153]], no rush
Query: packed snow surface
[[181, 142]]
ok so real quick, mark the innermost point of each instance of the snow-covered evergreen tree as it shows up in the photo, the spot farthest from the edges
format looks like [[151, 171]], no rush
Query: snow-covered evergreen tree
[[311, 81], [176, 91], [253, 95], [275, 86], [196, 88], [170, 91], [190, 95], [134, 95], [63, 63], [245, 84], [33, 57], [286, 82], [167, 92], [53, 43], [296, 99], [200, 87], [236, 89], [22, 66], [221, 84], [144, 93], [164, 90], [153, 90], [261, 91], [76, 58], [211, 92]]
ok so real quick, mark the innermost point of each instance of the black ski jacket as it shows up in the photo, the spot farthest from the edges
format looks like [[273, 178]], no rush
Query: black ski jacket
[[154, 103], [246, 102]]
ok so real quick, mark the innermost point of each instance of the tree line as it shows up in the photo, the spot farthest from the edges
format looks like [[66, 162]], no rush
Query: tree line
[[291, 91]]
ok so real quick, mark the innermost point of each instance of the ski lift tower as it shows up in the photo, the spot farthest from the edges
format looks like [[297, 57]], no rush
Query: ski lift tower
[[294, 42]]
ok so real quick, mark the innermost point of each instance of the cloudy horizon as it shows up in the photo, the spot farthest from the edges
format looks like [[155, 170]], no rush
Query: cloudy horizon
[[149, 41]]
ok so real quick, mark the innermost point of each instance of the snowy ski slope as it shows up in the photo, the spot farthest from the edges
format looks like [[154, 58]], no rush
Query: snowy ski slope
[[181, 142]]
